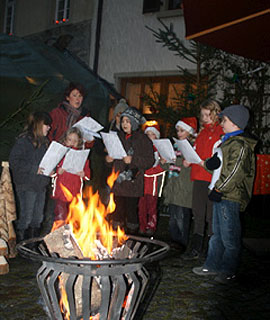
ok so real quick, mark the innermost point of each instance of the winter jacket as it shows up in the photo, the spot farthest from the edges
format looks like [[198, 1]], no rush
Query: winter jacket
[[72, 182], [154, 180], [178, 189], [59, 117], [24, 160], [141, 148], [204, 145], [238, 169]]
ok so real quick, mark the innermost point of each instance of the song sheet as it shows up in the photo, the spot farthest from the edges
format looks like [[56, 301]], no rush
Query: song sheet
[[187, 151], [89, 128], [165, 149], [74, 161], [216, 173], [113, 145], [52, 157]]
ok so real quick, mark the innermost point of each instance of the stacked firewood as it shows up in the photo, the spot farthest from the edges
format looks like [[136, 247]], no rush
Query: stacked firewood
[[7, 215]]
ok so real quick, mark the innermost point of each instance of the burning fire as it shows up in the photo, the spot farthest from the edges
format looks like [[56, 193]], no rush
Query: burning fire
[[89, 226], [88, 221]]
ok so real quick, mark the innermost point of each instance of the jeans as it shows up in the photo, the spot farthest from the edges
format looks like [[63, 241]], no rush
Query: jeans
[[179, 223], [31, 209], [225, 243]]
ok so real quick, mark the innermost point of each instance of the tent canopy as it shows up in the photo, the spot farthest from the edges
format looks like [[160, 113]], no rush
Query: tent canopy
[[240, 27], [25, 65]]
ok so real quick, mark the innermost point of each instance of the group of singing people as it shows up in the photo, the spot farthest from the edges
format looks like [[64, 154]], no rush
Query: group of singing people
[[205, 197]]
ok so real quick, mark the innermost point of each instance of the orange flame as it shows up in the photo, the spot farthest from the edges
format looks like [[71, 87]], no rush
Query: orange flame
[[89, 225], [88, 222]]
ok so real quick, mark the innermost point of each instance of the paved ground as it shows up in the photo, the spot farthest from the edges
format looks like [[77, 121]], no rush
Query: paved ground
[[180, 294]]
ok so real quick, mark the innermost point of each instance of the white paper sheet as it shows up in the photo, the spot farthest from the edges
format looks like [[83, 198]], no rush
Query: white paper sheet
[[89, 128], [74, 161], [187, 151], [165, 149], [52, 157], [113, 145], [216, 173]]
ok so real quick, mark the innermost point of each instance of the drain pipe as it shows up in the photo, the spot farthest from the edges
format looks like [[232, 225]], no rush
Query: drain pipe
[[97, 41]]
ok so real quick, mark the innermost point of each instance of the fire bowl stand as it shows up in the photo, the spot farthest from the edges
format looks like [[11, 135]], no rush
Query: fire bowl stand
[[96, 289]]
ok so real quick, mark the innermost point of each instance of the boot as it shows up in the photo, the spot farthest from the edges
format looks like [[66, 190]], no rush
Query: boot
[[20, 235], [196, 248], [33, 232]]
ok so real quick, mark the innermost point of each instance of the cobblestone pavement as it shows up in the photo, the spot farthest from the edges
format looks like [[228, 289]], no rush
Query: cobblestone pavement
[[181, 295]]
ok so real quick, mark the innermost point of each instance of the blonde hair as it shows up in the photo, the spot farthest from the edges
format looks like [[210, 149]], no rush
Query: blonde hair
[[214, 108], [76, 131]]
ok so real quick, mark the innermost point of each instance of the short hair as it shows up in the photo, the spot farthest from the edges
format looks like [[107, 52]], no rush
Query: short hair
[[76, 131], [72, 86]]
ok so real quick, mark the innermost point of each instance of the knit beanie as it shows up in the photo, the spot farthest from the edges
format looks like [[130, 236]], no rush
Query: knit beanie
[[135, 117], [154, 128], [238, 114], [120, 107], [189, 124]]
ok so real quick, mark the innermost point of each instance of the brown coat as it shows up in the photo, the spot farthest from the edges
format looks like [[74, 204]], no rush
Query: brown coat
[[142, 159]]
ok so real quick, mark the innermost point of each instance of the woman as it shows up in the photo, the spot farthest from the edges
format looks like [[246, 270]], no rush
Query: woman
[[68, 112]]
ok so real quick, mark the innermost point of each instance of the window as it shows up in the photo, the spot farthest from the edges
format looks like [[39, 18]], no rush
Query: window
[[158, 5], [62, 11], [9, 17], [133, 89]]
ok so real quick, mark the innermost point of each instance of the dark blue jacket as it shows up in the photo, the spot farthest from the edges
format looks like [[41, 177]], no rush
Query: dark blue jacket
[[24, 161]]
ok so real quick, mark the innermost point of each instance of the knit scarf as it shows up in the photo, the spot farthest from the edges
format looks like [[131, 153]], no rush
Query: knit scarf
[[73, 114]]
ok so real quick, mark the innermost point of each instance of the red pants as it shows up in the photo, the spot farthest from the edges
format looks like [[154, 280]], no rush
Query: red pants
[[148, 212]]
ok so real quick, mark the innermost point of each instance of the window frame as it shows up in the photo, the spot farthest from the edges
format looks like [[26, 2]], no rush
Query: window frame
[[66, 11], [145, 81], [9, 4]]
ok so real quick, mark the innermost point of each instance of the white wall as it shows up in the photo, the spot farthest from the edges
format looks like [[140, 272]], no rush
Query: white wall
[[127, 47]]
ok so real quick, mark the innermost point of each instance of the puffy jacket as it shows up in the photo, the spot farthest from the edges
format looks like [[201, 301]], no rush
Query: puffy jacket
[[178, 189], [204, 144], [24, 160], [238, 169]]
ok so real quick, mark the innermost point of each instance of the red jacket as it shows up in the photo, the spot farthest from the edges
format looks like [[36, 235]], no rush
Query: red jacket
[[154, 180], [204, 144], [72, 182], [59, 117]]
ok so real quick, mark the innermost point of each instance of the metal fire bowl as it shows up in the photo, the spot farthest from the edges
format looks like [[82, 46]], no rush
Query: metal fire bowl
[[148, 251]]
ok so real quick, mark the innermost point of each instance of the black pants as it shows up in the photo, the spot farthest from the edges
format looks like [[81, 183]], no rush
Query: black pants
[[202, 208], [126, 212]]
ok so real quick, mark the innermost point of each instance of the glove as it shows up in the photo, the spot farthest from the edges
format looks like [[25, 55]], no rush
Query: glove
[[213, 163], [215, 196]]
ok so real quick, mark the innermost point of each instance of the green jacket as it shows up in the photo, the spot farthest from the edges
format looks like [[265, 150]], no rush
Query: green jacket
[[178, 190], [238, 169]]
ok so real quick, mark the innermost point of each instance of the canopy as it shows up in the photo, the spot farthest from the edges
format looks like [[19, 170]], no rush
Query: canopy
[[240, 27], [25, 65]]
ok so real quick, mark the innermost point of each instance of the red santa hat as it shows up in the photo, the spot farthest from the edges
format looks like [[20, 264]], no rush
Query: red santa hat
[[189, 124], [152, 126]]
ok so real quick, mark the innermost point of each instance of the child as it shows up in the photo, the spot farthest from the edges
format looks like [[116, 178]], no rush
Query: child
[[30, 184], [178, 190], [153, 183], [73, 182], [205, 142], [231, 194], [128, 187]]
